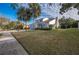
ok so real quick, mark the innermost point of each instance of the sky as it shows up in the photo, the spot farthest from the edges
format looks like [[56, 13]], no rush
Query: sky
[[8, 12]]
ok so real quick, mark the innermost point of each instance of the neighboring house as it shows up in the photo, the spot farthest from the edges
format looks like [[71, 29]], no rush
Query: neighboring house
[[46, 23]]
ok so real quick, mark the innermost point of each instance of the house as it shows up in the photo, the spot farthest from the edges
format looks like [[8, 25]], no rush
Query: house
[[46, 23]]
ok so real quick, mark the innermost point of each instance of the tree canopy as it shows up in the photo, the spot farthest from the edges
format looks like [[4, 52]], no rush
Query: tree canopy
[[25, 14], [68, 6]]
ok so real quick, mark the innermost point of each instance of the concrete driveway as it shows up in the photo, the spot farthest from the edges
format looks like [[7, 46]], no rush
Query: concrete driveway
[[10, 46]]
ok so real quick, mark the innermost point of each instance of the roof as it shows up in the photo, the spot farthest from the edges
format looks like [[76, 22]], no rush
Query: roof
[[52, 22], [45, 19]]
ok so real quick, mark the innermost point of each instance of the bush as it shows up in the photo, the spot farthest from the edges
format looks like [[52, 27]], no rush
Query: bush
[[19, 26], [43, 28], [68, 23]]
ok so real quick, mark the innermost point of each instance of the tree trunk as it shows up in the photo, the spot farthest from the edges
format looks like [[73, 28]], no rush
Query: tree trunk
[[26, 25], [33, 24]]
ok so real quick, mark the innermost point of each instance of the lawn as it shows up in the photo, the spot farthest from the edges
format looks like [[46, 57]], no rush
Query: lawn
[[63, 41]]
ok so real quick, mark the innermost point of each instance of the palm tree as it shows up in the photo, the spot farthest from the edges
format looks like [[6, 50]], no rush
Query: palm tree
[[24, 14], [35, 7], [36, 10], [14, 6]]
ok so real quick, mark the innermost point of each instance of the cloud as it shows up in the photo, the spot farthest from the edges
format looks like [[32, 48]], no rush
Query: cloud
[[54, 12], [72, 13]]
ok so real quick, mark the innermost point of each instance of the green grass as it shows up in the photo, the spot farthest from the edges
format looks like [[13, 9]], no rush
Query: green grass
[[62, 41]]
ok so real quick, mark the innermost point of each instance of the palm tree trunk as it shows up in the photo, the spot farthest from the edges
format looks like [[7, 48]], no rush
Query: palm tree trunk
[[26, 25], [33, 24]]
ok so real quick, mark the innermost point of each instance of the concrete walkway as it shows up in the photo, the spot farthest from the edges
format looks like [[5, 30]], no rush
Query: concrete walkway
[[10, 46]]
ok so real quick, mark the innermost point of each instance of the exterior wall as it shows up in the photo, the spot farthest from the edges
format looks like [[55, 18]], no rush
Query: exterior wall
[[57, 23], [41, 25], [54, 23]]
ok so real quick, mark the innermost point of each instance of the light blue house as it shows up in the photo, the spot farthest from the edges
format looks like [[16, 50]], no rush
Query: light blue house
[[45, 23]]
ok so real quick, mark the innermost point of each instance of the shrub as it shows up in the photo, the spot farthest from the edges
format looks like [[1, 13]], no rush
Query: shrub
[[43, 29], [67, 23], [19, 26]]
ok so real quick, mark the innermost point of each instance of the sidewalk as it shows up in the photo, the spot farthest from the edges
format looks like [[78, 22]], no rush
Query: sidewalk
[[10, 46]]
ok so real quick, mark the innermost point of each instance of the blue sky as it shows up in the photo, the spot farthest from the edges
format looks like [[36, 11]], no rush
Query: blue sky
[[7, 11]]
